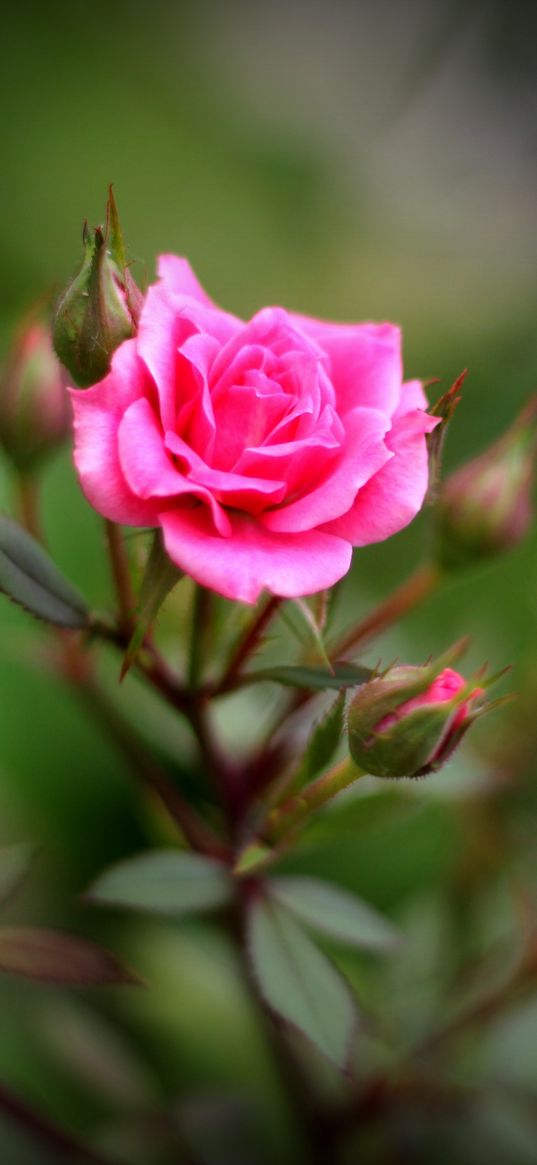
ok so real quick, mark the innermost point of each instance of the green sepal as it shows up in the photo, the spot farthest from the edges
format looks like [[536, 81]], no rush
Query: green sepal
[[160, 577]]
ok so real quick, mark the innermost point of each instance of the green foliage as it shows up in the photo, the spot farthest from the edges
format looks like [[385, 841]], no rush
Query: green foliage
[[299, 982], [164, 882], [335, 912], [160, 577], [30, 578], [314, 679], [322, 744], [306, 628]]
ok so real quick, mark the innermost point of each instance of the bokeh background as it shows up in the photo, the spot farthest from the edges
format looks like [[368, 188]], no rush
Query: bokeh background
[[355, 160]]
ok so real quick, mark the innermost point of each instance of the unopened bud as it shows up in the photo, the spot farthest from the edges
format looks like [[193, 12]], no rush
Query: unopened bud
[[100, 308], [486, 506], [35, 414], [407, 722]]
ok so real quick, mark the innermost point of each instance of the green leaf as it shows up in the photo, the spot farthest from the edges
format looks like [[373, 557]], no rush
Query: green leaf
[[164, 882], [309, 629], [322, 744], [299, 982], [30, 578], [160, 577], [15, 861], [314, 679], [51, 956], [252, 857], [335, 912]]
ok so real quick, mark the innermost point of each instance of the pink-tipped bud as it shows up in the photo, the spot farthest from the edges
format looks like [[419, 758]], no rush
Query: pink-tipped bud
[[100, 307], [35, 414], [407, 722], [486, 506]]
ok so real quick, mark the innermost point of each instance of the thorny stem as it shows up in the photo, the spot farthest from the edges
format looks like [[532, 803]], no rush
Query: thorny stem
[[248, 644], [287, 817], [121, 575], [149, 663], [49, 1135]]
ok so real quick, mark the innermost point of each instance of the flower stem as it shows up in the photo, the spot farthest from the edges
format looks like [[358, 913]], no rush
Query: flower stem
[[405, 598], [294, 812], [121, 575], [198, 636], [198, 834], [28, 504], [248, 644]]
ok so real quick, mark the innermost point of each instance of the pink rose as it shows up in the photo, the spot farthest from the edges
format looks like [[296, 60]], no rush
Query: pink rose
[[443, 690], [264, 450], [408, 722]]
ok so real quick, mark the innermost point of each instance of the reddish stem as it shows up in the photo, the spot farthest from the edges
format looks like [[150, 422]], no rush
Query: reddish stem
[[248, 644], [121, 575]]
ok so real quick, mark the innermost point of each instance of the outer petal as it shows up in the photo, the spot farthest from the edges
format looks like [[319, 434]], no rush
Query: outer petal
[[395, 494], [365, 362], [253, 559], [179, 277], [362, 454], [97, 415], [412, 397]]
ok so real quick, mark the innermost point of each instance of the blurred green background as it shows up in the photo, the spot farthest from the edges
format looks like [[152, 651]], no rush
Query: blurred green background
[[365, 160]]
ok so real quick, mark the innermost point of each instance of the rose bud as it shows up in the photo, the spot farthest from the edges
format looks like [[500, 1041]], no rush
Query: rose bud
[[486, 506], [407, 722], [101, 305], [35, 411]]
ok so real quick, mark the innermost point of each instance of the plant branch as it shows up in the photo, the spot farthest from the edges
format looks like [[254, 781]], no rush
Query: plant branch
[[27, 496], [46, 1132], [74, 667], [405, 598], [286, 818], [248, 644], [121, 575], [198, 633]]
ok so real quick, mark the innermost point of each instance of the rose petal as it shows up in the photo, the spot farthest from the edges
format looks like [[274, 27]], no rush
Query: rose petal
[[412, 397], [253, 559], [252, 494], [365, 362], [179, 277], [97, 415], [148, 468], [166, 323], [361, 455], [393, 497]]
